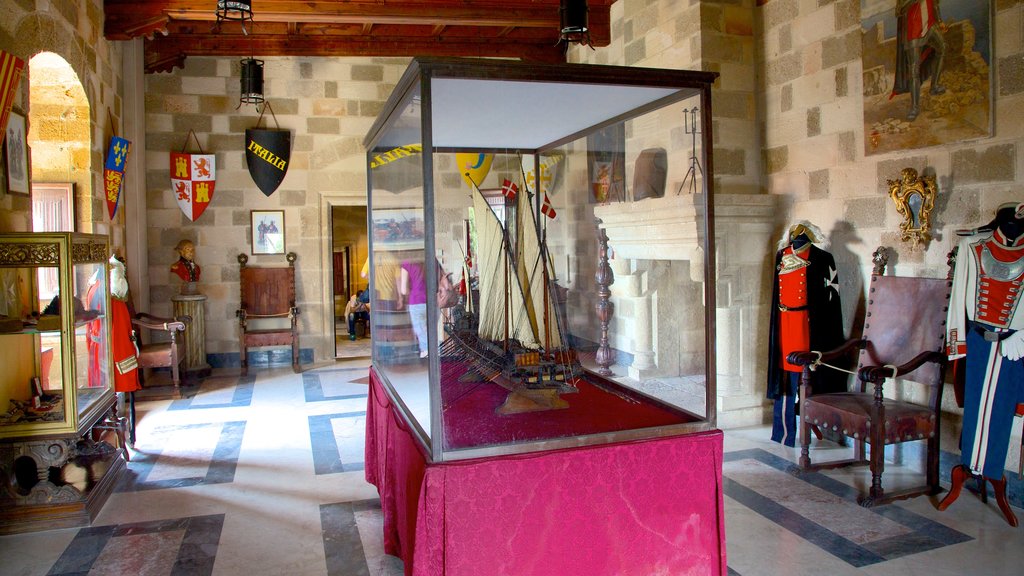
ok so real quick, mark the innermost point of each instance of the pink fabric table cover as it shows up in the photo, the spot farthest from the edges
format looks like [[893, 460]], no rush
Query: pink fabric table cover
[[644, 507]]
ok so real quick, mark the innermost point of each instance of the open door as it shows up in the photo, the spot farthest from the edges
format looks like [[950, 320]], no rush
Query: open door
[[350, 248]]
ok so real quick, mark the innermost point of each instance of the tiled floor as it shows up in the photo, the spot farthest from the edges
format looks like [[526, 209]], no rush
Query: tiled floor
[[264, 475]]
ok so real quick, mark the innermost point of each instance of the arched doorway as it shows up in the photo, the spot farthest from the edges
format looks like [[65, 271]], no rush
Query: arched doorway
[[60, 138]]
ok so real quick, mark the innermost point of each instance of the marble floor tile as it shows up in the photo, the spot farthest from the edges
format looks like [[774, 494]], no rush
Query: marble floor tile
[[264, 475]]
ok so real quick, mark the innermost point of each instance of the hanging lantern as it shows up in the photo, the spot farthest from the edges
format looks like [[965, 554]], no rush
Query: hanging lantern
[[252, 81], [573, 16], [236, 10]]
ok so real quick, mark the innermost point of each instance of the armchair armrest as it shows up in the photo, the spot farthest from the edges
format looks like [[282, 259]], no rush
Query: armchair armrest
[[878, 374], [157, 323], [811, 357]]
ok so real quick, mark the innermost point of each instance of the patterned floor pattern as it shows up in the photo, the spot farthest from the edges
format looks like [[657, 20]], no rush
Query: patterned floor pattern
[[264, 475]]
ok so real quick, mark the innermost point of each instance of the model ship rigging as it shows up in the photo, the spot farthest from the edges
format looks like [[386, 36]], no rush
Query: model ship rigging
[[514, 336]]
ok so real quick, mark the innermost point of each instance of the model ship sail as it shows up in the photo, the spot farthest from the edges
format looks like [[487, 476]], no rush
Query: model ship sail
[[503, 311], [535, 276], [515, 340]]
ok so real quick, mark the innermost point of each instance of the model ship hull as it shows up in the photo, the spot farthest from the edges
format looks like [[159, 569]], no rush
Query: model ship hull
[[535, 379]]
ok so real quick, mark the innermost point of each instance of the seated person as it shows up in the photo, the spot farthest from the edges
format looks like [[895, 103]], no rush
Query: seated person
[[358, 307]]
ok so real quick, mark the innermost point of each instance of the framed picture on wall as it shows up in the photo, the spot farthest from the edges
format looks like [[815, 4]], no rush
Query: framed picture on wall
[[16, 154], [267, 231]]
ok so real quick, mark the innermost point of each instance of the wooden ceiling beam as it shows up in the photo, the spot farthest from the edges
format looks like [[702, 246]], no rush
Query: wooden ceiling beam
[[162, 51], [524, 29]]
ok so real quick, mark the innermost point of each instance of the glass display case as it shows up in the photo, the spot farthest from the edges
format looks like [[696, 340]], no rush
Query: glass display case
[[541, 258], [55, 359], [57, 466]]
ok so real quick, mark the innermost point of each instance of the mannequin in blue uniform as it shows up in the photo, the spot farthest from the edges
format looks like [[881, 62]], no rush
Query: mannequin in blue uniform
[[986, 330]]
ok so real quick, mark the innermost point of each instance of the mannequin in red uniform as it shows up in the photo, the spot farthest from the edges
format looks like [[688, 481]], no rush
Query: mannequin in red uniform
[[806, 315], [122, 336]]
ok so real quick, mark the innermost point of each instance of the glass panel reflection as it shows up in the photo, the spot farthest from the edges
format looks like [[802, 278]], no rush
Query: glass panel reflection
[[92, 351], [399, 285]]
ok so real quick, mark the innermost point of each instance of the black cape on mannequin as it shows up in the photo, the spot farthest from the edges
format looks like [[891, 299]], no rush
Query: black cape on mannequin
[[826, 325]]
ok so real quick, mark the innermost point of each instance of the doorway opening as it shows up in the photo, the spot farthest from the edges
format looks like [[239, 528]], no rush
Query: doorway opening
[[350, 249], [60, 137]]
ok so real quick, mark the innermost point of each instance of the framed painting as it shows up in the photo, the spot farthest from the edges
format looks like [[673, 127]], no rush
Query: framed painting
[[398, 229], [16, 153], [927, 73], [267, 231]]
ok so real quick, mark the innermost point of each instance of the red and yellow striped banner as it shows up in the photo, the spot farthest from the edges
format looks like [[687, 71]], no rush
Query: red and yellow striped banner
[[10, 76]]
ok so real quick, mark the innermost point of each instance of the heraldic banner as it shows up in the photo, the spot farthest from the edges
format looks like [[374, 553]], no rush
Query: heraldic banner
[[267, 153], [11, 68], [113, 172], [193, 177]]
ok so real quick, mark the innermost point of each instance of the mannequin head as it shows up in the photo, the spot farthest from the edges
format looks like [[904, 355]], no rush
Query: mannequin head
[[800, 241], [1010, 220], [800, 235], [186, 250], [118, 279]]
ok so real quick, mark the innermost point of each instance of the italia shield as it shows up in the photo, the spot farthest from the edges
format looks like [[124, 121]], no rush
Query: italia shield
[[193, 178], [267, 153]]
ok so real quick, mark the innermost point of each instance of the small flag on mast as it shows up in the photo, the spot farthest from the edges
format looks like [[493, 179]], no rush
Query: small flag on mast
[[547, 209], [509, 189]]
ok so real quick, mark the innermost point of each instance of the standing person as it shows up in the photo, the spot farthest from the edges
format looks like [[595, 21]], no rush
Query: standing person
[[412, 293], [806, 314], [920, 50]]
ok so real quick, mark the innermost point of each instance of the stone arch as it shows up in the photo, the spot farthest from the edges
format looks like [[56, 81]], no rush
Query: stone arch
[[37, 33], [60, 129]]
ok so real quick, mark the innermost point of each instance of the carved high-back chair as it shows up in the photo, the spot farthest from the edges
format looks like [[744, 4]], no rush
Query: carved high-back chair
[[267, 293], [904, 338]]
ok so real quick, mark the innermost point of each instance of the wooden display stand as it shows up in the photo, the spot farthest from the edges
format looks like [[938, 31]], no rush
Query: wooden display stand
[[62, 444], [194, 337], [37, 502]]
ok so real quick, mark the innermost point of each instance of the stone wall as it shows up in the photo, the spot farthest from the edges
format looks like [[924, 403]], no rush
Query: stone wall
[[74, 31], [812, 85], [328, 105], [714, 36]]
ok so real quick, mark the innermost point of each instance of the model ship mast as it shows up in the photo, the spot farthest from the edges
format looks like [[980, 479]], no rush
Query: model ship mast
[[515, 310]]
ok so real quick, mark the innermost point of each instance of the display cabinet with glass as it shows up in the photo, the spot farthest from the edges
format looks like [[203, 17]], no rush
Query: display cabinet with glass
[[542, 255], [56, 390]]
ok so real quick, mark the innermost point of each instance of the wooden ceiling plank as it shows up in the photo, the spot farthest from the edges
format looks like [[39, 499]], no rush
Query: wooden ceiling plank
[[389, 14], [163, 52]]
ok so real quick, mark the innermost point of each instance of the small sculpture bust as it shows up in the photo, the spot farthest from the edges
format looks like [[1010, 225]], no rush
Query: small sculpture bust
[[185, 267]]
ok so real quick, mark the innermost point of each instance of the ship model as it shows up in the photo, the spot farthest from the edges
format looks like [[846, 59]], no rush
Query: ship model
[[514, 335]]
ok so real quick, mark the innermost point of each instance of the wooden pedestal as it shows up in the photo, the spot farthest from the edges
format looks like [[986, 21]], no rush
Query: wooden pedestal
[[193, 342]]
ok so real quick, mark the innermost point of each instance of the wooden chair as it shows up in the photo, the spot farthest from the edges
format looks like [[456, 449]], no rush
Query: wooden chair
[[267, 293], [162, 354], [904, 337]]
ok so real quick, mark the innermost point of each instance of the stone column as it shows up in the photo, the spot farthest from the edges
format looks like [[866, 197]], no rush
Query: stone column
[[193, 339]]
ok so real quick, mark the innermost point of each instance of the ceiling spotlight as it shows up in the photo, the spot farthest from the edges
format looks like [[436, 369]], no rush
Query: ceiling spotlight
[[252, 81], [573, 16], [236, 10]]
